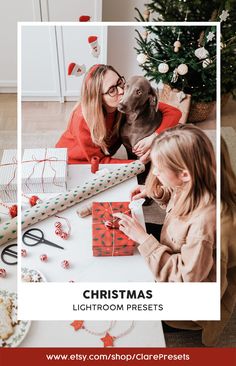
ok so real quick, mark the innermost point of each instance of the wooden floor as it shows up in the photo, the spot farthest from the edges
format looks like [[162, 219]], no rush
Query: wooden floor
[[53, 116]]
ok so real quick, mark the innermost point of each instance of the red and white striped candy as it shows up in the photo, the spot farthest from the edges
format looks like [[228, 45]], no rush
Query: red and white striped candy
[[3, 272], [23, 253], [43, 257], [65, 264]]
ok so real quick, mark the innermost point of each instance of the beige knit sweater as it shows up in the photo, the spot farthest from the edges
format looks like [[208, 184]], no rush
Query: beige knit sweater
[[186, 251], [211, 330]]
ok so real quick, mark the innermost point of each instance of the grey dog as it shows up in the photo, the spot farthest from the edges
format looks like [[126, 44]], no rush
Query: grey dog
[[139, 103]]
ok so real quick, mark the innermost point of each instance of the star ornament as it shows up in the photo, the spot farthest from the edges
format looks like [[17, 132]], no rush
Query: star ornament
[[78, 324], [224, 15], [108, 340], [210, 36]]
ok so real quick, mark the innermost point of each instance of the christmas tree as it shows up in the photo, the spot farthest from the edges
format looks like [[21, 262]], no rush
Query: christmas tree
[[182, 57], [155, 46]]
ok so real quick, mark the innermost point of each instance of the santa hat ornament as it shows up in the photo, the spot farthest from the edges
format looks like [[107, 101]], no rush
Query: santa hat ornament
[[76, 70], [95, 48]]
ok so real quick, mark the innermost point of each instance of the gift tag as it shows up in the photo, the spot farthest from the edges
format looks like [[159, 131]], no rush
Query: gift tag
[[136, 203]]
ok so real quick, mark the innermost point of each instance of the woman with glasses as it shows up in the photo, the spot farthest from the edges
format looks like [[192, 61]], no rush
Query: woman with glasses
[[93, 128]]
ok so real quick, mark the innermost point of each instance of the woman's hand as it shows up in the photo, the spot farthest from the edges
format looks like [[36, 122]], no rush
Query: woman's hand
[[143, 145], [132, 228], [137, 193]]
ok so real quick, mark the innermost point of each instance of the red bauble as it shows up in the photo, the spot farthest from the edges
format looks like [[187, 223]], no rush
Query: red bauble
[[13, 211], [34, 200]]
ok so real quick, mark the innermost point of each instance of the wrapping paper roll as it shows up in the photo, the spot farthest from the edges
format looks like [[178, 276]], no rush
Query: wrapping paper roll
[[8, 230]]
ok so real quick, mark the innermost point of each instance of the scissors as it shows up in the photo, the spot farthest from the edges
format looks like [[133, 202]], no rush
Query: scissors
[[8, 252], [35, 236]]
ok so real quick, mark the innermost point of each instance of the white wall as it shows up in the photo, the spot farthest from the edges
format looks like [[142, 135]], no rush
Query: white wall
[[121, 53], [12, 11], [122, 10]]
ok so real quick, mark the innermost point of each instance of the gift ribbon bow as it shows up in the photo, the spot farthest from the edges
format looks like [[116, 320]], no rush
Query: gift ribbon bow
[[50, 160]]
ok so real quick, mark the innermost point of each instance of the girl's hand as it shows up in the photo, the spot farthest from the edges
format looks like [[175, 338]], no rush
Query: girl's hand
[[146, 157], [132, 228], [143, 145], [137, 193]]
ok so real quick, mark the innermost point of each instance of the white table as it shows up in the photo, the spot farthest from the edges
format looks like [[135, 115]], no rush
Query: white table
[[78, 248], [60, 333]]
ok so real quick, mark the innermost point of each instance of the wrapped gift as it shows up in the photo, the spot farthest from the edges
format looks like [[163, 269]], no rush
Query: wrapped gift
[[108, 240], [8, 176], [44, 170]]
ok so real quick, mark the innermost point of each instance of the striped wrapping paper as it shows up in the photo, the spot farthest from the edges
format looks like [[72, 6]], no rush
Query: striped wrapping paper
[[65, 200]]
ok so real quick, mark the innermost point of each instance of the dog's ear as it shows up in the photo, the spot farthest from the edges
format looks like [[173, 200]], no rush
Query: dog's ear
[[153, 97]]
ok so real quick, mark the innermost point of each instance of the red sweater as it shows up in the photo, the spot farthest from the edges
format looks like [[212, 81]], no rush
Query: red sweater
[[78, 141]]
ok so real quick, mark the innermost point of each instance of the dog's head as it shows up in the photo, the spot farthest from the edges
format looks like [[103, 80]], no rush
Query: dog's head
[[138, 91]]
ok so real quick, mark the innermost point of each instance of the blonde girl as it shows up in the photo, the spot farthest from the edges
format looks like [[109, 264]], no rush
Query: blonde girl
[[182, 180], [212, 330]]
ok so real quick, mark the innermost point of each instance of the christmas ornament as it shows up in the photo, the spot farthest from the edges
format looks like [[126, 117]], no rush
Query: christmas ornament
[[77, 324], [95, 47], [76, 70], [210, 36], [12, 210], [224, 15], [65, 264], [163, 68], [175, 76], [3, 273], [146, 15], [23, 253], [182, 69], [33, 200], [206, 62], [84, 18], [142, 58], [108, 339], [43, 257], [58, 225], [201, 53], [177, 46]]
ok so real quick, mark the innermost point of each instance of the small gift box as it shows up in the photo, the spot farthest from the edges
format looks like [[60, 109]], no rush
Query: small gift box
[[44, 170], [8, 176], [108, 240]]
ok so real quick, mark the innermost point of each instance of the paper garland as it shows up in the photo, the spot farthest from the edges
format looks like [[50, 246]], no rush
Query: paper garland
[[8, 230]]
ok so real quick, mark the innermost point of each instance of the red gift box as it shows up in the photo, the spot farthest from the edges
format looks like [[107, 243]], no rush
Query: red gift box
[[108, 240]]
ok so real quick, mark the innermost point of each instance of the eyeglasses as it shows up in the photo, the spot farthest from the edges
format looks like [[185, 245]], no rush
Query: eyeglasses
[[113, 90]]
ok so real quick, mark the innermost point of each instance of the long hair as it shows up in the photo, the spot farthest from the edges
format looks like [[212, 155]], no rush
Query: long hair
[[186, 147], [228, 183], [92, 107]]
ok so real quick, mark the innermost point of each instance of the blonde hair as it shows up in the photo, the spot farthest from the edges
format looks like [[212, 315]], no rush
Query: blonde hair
[[92, 107], [228, 183], [186, 147]]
